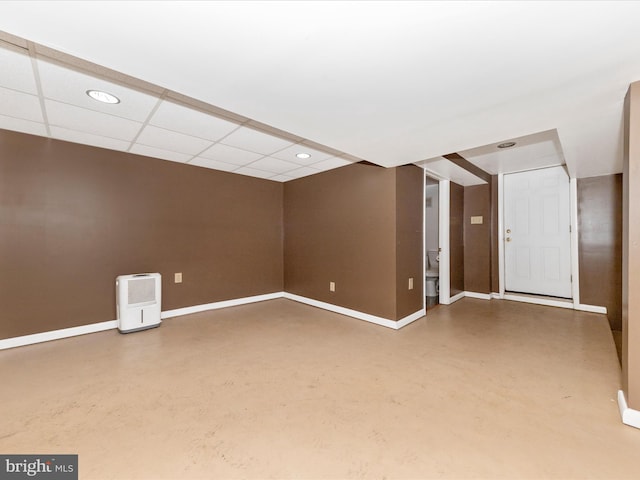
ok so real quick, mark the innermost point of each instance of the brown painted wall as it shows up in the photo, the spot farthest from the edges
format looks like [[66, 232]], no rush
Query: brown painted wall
[[409, 239], [456, 238], [74, 217], [600, 244], [477, 239], [340, 227], [631, 249]]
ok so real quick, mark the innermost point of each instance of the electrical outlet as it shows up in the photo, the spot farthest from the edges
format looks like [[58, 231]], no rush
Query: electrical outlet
[[177, 277], [332, 286], [411, 283], [477, 220]]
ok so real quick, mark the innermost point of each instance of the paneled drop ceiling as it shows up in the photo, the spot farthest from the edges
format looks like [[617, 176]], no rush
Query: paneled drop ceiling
[[47, 97], [240, 86]]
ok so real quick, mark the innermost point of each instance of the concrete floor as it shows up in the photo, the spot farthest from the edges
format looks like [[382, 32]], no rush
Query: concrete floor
[[477, 390]]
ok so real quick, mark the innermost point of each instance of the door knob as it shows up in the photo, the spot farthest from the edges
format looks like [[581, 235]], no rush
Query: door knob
[[508, 230], [508, 239]]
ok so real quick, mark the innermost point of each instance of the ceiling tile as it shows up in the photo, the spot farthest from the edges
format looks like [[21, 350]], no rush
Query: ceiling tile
[[331, 163], [70, 86], [289, 154], [88, 139], [16, 70], [302, 172], [280, 178], [20, 105], [270, 164], [159, 153], [20, 125], [215, 164], [252, 172], [185, 120], [224, 153], [167, 140], [89, 121], [255, 141]]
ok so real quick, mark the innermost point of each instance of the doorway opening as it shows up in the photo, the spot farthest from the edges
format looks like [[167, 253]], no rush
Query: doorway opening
[[432, 242]]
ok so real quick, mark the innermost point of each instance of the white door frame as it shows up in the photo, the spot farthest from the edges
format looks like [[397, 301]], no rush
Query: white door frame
[[575, 273], [501, 273], [444, 265], [575, 264]]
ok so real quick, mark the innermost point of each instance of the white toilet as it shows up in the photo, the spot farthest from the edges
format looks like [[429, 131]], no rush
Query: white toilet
[[433, 273]]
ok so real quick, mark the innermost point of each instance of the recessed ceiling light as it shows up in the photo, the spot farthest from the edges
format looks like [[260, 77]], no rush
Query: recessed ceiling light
[[103, 97], [506, 145], [303, 155]]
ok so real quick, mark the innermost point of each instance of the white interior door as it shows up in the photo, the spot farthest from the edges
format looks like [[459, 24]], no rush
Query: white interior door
[[537, 235]]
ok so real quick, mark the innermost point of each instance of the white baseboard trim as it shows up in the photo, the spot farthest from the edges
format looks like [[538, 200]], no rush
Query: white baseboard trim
[[556, 303], [456, 297], [628, 415], [410, 318], [591, 308], [536, 300], [393, 324], [539, 301], [57, 334], [178, 312], [99, 327], [385, 322], [481, 296], [113, 324]]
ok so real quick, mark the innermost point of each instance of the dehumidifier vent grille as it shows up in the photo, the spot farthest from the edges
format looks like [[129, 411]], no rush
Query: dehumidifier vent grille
[[141, 290]]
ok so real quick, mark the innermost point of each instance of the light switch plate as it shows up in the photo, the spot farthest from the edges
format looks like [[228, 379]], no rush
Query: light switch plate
[[177, 277]]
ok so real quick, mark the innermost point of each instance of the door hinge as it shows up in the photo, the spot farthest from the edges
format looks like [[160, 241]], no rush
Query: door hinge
[[569, 228]]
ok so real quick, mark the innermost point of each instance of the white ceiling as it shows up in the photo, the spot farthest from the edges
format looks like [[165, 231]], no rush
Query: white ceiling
[[531, 152], [388, 82], [441, 168]]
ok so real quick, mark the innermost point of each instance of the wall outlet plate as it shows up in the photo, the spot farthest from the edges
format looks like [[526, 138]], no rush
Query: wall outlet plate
[[477, 220], [411, 283], [177, 277], [332, 286]]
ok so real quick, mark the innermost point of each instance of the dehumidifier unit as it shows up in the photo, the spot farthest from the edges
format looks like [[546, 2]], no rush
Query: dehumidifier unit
[[138, 301]]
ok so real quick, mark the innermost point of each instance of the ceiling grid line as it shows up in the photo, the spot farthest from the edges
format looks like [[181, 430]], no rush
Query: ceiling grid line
[[146, 122], [219, 141], [270, 155], [36, 74]]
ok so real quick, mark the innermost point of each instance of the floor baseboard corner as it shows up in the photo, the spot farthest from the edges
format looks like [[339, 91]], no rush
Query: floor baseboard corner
[[628, 415]]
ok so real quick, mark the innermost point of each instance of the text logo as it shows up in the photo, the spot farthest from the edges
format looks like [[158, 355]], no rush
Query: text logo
[[45, 467]]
